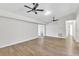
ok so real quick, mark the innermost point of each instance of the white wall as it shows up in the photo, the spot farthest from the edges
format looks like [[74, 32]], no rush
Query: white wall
[[14, 31], [55, 28], [77, 29]]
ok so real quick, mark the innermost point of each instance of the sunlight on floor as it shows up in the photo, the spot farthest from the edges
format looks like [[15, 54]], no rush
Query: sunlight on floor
[[70, 45]]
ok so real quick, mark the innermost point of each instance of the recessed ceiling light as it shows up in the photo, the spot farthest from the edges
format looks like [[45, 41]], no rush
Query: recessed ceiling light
[[47, 13]]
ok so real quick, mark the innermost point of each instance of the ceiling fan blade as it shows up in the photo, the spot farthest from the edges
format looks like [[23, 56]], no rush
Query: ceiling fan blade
[[35, 12], [27, 6], [36, 5], [55, 19], [29, 11], [39, 10]]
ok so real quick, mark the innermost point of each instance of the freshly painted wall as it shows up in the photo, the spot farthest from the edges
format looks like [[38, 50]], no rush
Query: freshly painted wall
[[14, 31], [77, 29], [56, 29]]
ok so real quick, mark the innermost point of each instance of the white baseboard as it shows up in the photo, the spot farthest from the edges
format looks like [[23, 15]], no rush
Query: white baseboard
[[57, 36], [6, 45]]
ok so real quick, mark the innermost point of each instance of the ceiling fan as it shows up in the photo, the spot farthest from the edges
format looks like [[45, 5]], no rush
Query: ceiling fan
[[54, 19], [34, 8]]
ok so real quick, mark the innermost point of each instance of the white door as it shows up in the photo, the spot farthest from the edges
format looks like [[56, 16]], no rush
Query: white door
[[41, 30], [70, 28]]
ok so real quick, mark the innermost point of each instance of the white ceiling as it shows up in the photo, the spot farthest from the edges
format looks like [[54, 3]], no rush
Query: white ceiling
[[56, 9]]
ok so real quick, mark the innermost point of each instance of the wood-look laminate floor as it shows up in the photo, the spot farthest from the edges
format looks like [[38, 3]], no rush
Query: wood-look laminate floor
[[49, 46]]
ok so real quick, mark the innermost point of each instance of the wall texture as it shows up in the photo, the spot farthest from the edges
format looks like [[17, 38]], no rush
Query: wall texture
[[14, 31], [77, 29], [58, 28]]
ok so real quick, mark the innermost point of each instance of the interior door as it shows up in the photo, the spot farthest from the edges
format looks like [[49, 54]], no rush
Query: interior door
[[70, 28], [41, 30]]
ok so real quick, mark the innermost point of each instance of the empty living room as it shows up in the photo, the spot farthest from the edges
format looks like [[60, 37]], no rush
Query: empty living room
[[39, 29]]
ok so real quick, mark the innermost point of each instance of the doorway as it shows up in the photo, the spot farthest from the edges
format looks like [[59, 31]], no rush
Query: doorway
[[70, 29], [41, 30]]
